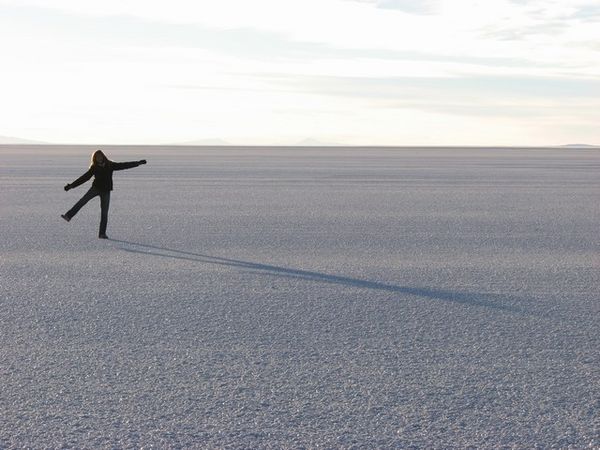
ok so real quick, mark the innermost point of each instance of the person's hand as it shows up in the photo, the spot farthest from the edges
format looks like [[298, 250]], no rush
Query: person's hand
[[67, 187], [142, 161]]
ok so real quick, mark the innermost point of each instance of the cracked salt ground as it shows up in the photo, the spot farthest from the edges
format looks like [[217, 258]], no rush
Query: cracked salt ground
[[268, 298]]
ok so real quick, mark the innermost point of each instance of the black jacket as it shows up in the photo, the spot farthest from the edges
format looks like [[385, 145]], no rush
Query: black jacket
[[103, 174]]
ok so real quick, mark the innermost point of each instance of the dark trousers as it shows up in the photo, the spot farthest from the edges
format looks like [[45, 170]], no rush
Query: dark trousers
[[104, 203]]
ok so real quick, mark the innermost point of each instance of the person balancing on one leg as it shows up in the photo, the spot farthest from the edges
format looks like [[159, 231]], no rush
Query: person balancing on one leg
[[102, 169]]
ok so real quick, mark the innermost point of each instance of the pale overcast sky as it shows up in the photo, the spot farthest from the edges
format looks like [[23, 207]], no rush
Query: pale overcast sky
[[359, 72]]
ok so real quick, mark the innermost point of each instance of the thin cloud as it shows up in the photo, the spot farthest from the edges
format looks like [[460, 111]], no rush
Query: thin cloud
[[589, 12], [475, 86], [422, 7], [518, 33], [245, 43]]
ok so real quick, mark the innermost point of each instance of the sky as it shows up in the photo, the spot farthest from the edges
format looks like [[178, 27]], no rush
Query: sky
[[276, 72]]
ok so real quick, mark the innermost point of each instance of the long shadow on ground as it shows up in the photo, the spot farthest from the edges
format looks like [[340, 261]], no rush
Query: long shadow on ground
[[488, 300]]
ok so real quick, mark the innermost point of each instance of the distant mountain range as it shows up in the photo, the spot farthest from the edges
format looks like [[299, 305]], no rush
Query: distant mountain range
[[15, 140], [579, 146], [308, 142]]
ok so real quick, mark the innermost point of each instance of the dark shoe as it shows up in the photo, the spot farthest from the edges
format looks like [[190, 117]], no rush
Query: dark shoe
[[64, 216], [102, 236]]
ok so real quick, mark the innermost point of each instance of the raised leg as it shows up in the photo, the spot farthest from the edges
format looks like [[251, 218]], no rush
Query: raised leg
[[82, 201]]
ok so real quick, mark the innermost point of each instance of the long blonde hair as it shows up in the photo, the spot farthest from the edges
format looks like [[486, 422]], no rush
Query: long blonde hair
[[94, 158]]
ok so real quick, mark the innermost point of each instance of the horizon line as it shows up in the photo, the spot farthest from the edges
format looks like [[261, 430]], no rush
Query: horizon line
[[50, 144]]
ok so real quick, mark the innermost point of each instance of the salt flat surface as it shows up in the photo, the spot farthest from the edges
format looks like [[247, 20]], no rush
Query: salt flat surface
[[290, 298]]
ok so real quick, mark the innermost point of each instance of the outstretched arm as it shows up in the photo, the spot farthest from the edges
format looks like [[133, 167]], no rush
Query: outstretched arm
[[82, 179], [127, 165]]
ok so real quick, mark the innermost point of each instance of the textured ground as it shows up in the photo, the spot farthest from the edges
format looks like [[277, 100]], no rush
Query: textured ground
[[257, 298]]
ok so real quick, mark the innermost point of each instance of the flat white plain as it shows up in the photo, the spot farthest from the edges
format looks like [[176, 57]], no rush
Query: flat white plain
[[281, 297]]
